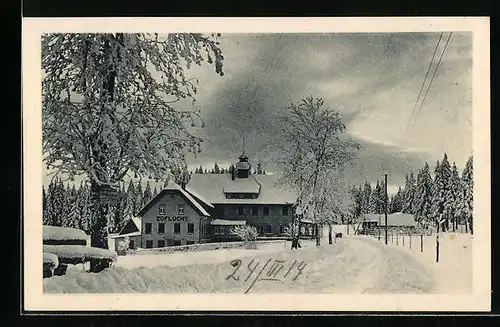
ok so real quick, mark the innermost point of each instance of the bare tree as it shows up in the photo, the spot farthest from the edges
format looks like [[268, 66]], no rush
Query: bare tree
[[310, 149]]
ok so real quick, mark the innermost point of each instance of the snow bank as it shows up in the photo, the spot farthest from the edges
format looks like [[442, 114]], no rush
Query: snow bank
[[453, 272], [54, 235], [50, 261], [73, 254]]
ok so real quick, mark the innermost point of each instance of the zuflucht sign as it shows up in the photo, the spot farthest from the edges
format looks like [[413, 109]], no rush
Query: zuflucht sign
[[173, 218]]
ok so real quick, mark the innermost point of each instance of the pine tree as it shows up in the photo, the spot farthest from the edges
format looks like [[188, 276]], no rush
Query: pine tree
[[83, 207], [139, 196], [131, 199], [466, 197], [216, 169], [73, 217], [58, 203], [423, 195], [148, 194], [409, 193], [374, 205], [367, 192], [455, 191], [45, 213], [449, 197], [397, 203]]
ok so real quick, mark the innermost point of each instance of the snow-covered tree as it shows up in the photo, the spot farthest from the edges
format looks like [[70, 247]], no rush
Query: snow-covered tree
[[397, 201], [45, 208], [216, 168], [139, 197], [409, 193], [148, 194], [455, 191], [367, 193], [423, 195], [83, 207], [131, 200], [466, 196], [155, 192], [73, 216], [376, 198], [107, 107], [310, 149]]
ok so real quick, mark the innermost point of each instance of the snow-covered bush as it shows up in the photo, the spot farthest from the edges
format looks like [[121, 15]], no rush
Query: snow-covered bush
[[248, 234], [50, 263], [76, 254], [122, 245], [54, 235]]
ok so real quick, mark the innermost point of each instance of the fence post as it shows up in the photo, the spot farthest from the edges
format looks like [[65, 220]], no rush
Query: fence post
[[378, 234], [409, 235], [403, 235], [421, 242], [437, 248], [397, 238]]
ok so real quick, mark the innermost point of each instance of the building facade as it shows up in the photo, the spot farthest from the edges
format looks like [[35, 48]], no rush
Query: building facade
[[210, 206], [173, 218]]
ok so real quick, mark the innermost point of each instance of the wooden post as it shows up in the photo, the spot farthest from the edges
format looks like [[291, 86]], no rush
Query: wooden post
[[437, 248], [379, 234], [403, 235], [421, 242], [397, 238], [409, 235]]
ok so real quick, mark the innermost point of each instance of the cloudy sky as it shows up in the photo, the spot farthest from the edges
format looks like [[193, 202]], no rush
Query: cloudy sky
[[373, 80]]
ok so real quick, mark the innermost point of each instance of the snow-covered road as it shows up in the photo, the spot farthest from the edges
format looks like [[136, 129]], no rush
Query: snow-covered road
[[354, 264]]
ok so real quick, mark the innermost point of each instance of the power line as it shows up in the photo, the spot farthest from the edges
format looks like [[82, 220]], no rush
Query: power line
[[434, 74], [425, 78]]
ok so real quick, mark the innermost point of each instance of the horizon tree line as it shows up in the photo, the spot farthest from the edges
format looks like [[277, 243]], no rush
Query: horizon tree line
[[443, 198]]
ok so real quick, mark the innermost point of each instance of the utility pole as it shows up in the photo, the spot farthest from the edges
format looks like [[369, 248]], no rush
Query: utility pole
[[385, 200]]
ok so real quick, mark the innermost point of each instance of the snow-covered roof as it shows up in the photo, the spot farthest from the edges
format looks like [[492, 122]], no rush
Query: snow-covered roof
[[223, 222], [199, 197], [174, 187], [212, 187], [125, 235], [395, 219]]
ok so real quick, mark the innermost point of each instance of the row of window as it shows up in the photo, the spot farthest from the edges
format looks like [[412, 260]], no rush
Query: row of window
[[241, 195], [161, 228], [162, 244], [265, 211], [163, 209], [261, 229]]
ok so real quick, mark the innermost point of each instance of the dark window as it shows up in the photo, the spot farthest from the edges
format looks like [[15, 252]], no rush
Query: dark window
[[148, 228], [180, 209], [189, 242], [131, 245], [284, 211], [240, 211], [228, 196], [163, 209], [161, 228], [283, 229], [161, 243], [254, 196], [177, 228], [170, 242], [190, 228], [177, 242], [172, 195], [254, 211], [266, 211], [240, 196], [149, 244]]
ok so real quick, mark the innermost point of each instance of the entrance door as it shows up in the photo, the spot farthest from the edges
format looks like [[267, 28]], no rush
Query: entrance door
[[131, 245]]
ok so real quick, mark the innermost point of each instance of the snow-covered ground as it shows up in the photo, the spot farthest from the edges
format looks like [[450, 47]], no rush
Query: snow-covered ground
[[453, 272]]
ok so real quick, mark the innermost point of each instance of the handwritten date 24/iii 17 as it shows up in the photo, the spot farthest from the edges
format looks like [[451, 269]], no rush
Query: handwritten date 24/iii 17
[[277, 271]]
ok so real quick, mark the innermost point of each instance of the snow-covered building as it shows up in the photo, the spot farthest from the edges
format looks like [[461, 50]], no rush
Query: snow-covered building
[[210, 205], [240, 198]]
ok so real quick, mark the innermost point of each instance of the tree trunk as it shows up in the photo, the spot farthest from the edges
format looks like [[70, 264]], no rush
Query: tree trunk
[[471, 227], [330, 240], [453, 224], [98, 235], [318, 238], [466, 226]]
